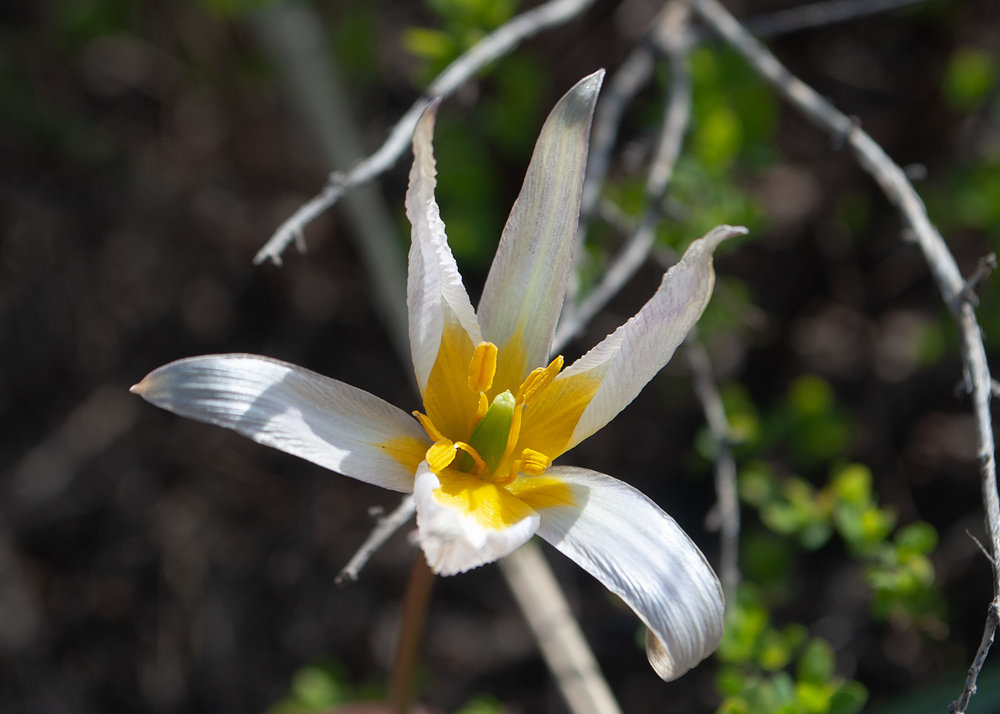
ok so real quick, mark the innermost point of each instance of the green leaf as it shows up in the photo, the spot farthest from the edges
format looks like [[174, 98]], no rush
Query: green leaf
[[811, 396], [815, 698], [817, 663], [756, 484], [427, 43], [849, 698], [773, 652], [730, 681], [970, 74], [917, 538], [853, 483]]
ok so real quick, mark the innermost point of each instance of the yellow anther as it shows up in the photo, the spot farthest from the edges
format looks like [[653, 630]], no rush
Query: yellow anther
[[428, 425], [479, 469], [538, 380], [482, 367], [534, 462], [440, 455]]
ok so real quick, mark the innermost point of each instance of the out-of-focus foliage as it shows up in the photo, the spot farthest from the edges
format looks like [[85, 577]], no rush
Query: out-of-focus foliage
[[321, 688], [808, 429], [770, 670], [317, 688], [970, 75], [464, 23], [965, 198], [501, 127], [732, 126]]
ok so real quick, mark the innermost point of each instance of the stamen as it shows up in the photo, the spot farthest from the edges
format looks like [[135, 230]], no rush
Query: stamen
[[440, 455], [428, 425], [484, 404], [479, 469], [515, 468], [538, 380], [534, 462], [483, 367], [515, 430]]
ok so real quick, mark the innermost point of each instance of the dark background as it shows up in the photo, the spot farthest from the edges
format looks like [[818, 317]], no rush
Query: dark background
[[149, 563]]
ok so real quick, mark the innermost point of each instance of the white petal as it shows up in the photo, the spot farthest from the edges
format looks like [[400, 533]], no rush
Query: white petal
[[293, 409], [640, 553], [455, 541], [524, 291], [632, 355], [434, 289]]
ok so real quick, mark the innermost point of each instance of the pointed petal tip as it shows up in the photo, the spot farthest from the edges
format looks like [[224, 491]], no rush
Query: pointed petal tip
[[591, 84], [582, 96], [720, 233]]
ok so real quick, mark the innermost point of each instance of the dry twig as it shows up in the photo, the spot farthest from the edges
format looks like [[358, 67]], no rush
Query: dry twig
[[897, 188], [384, 528], [727, 508]]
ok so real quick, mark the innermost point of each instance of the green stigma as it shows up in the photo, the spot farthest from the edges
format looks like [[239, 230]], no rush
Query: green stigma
[[489, 438]]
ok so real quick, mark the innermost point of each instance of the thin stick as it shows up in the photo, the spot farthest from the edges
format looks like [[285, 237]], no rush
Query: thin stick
[[384, 528], [820, 14], [565, 650], [901, 193], [671, 38], [411, 630], [495, 45], [728, 505]]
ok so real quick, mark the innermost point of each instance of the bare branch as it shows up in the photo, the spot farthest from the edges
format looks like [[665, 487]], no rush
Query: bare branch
[[901, 193], [384, 529], [495, 45], [989, 632], [820, 14], [565, 651], [728, 505], [671, 37], [984, 268]]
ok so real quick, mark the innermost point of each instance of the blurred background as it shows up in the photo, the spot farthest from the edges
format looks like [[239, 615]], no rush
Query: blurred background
[[148, 149]]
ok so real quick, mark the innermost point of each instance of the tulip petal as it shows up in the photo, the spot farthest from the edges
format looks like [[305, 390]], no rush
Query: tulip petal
[[295, 410], [590, 392], [524, 291], [444, 330], [464, 522], [639, 553]]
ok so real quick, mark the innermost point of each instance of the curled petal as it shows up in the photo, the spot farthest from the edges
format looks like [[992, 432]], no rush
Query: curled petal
[[464, 522], [295, 410], [590, 392], [639, 553], [444, 331], [524, 291]]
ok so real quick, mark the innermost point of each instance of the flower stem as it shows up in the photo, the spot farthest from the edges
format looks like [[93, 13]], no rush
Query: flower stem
[[415, 605]]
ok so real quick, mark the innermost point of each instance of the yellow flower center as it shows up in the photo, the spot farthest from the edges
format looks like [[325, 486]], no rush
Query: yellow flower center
[[489, 452]]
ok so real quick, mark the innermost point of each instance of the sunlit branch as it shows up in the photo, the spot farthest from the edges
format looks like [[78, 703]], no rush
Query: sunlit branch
[[495, 45], [383, 531], [820, 14], [727, 508], [565, 650], [900, 192]]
